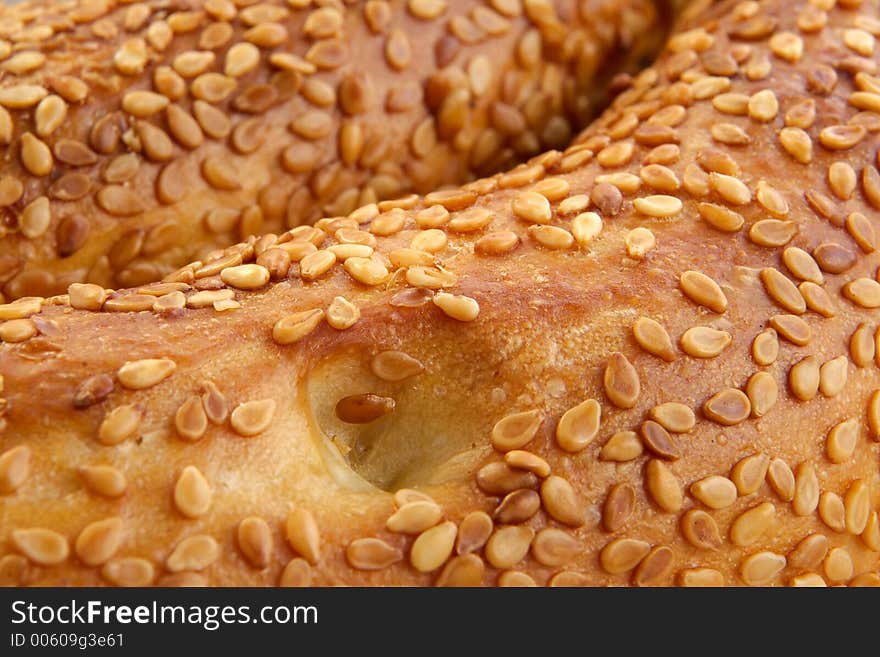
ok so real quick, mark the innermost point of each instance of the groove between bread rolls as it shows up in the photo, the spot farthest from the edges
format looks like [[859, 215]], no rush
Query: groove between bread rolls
[[649, 359], [140, 135]]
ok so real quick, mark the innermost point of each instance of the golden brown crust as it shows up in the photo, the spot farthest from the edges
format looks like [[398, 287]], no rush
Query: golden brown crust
[[141, 135], [552, 392]]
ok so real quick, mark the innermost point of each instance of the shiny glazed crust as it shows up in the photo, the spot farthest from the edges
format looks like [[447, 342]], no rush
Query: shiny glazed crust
[[649, 359], [139, 135]]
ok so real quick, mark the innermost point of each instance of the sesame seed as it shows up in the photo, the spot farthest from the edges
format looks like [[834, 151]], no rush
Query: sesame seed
[[140, 374], [700, 530], [43, 547], [252, 417]]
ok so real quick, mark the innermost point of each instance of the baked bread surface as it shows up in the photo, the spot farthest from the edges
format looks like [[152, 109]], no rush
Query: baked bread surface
[[648, 359]]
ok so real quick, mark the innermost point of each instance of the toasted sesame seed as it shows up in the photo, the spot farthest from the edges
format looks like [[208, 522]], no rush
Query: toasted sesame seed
[[35, 155], [802, 265], [499, 479], [586, 227], [366, 270], [15, 466], [831, 511], [49, 115], [578, 426], [639, 241], [532, 207], [653, 338], [703, 290], [797, 143], [772, 233], [654, 568], [781, 479], [43, 547], [92, 390], [497, 243], [858, 507], [104, 480], [508, 545], [730, 134], [834, 258], [119, 424], [842, 180], [462, 571], [619, 505], [516, 430], [792, 328], [551, 237], [709, 86], [128, 571], [459, 307], [99, 541], [561, 502], [205, 298], [809, 552], [143, 103], [763, 392], [433, 547], [663, 486], [749, 473], [190, 420], [721, 217], [841, 137], [140, 374], [303, 534], [803, 378], [761, 568], [871, 534], [192, 493], [515, 578], [252, 417], [554, 547], [838, 565], [817, 299], [841, 441], [621, 381], [22, 96], [660, 178], [17, 330], [763, 106], [363, 408], [716, 492], [295, 327], [622, 555], [616, 154], [806, 491], [704, 341], [674, 416], [833, 375], [21, 308], [864, 292], [752, 524], [193, 553], [245, 277], [622, 446], [692, 577], [624, 182], [728, 407], [254, 538], [414, 517], [658, 440]]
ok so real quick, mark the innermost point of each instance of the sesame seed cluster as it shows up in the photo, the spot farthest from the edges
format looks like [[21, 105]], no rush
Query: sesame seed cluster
[[141, 135]]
